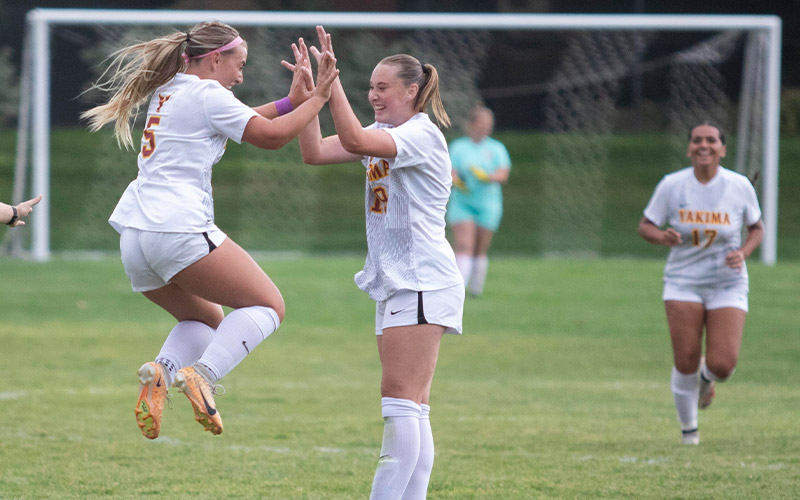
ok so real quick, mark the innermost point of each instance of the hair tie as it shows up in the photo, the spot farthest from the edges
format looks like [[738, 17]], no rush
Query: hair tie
[[187, 37]]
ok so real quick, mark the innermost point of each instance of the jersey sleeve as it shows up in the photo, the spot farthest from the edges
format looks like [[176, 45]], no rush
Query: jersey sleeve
[[503, 158], [226, 114], [752, 211], [657, 210], [414, 143]]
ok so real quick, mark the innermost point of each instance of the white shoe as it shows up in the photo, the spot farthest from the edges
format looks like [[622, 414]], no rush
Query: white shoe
[[707, 392], [691, 437]]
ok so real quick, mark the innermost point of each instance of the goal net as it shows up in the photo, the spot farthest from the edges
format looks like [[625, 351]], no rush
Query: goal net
[[593, 109]]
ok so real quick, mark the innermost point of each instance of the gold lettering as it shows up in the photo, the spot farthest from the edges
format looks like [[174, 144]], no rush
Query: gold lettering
[[378, 170], [704, 217]]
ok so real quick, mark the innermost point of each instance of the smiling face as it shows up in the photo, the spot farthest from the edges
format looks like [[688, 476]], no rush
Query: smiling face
[[392, 101], [705, 147], [228, 67]]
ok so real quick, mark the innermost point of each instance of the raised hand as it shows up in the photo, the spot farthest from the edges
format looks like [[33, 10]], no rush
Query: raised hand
[[302, 87], [326, 74], [324, 44]]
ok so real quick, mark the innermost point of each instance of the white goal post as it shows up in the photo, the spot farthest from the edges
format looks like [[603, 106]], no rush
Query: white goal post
[[34, 118]]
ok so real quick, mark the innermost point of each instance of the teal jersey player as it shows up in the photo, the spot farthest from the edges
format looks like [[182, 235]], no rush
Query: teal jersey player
[[481, 165], [477, 197]]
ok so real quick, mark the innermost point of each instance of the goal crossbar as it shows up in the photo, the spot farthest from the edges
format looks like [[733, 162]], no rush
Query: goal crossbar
[[38, 83]]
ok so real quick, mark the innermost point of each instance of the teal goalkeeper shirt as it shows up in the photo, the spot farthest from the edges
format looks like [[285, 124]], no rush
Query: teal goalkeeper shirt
[[488, 155]]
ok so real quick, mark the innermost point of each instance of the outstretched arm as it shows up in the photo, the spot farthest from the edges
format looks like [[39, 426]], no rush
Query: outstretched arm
[[274, 134], [301, 89], [13, 215], [352, 136]]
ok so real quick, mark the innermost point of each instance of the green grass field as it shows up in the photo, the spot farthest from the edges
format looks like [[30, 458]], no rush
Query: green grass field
[[558, 389]]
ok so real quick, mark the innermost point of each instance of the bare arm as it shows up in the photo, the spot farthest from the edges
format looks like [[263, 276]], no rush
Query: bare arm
[[650, 232], [500, 175], [23, 210], [317, 150], [302, 87], [755, 234], [352, 136], [274, 134]]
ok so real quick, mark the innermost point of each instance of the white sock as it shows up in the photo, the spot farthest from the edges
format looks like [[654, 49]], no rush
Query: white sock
[[238, 334], [686, 390], [480, 265], [464, 263], [711, 376], [184, 345], [400, 448], [418, 485]]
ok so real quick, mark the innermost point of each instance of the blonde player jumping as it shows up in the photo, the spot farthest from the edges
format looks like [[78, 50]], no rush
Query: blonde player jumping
[[171, 249]]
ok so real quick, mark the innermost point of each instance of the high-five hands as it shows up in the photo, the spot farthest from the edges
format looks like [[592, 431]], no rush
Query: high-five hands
[[302, 87], [302, 81]]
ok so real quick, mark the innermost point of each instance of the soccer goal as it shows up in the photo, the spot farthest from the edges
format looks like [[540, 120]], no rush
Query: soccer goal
[[594, 109]]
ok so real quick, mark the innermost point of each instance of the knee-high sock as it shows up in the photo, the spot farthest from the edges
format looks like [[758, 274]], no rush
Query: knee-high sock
[[238, 334], [400, 448], [184, 345], [417, 488], [686, 390], [480, 265], [464, 263]]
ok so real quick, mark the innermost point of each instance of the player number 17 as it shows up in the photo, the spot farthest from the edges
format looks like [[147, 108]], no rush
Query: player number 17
[[710, 234]]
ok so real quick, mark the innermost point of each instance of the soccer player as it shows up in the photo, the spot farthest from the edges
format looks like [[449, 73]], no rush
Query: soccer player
[[410, 270], [704, 208], [14, 215], [171, 249], [481, 165]]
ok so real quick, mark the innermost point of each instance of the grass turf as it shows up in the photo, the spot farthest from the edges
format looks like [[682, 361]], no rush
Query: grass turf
[[559, 388]]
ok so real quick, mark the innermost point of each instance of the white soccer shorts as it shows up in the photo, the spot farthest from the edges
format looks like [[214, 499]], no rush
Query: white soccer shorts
[[408, 307], [151, 258], [712, 297]]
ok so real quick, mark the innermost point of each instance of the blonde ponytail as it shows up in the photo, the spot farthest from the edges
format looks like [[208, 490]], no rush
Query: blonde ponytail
[[138, 70], [135, 72], [429, 93]]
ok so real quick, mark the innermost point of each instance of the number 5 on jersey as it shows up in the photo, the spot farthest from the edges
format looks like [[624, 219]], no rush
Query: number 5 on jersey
[[149, 136]]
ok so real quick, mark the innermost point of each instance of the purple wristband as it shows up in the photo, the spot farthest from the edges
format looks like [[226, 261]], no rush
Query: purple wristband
[[283, 106]]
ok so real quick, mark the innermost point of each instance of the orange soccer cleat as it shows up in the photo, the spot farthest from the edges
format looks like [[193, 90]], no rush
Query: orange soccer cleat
[[201, 395], [152, 393]]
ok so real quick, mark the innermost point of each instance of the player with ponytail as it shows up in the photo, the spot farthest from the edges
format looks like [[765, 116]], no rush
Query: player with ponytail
[[410, 270], [172, 251]]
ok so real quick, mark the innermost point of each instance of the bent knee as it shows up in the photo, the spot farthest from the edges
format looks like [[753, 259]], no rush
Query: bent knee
[[687, 362], [723, 370], [280, 309]]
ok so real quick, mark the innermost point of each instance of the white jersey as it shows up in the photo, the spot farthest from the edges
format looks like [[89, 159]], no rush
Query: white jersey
[[189, 122], [406, 200], [710, 218]]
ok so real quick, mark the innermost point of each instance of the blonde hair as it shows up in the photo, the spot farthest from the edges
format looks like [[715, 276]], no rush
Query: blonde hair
[[138, 70], [411, 71]]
